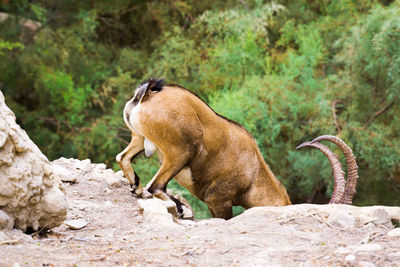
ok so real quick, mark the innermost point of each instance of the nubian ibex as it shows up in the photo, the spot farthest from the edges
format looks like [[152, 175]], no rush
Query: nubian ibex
[[216, 159]]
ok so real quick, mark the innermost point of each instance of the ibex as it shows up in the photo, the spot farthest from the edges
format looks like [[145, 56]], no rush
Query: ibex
[[216, 159]]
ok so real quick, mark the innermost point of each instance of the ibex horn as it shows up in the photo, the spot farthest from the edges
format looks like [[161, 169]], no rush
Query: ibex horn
[[352, 168], [338, 173]]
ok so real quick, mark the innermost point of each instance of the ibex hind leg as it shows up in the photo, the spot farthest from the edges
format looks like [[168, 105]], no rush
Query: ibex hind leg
[[124, 160], [219, 208]]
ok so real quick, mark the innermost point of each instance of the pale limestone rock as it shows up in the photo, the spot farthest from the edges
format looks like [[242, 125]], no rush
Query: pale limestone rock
[[120, 173], [366, 264], [51, 199], [342, 219], [3, 236], [64, 174], [342, 250], [100, 166], [122, 177], [395, 255], [5, 221], [394, 232], [350, 258], [83, 165], [156, 214], [112, 179], [381, 217], [28, 183], [76, 224], [368, 247], [108, 204], [124, 180]]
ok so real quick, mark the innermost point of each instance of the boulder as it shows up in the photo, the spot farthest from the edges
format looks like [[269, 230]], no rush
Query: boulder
[[155, 212], [31, 194]]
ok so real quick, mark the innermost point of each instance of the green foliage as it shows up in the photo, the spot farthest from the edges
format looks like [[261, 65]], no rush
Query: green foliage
[[4, 46], [371, 58], [274, 67]]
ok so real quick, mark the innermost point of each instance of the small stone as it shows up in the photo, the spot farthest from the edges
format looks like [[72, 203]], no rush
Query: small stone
[[108, 204], [381, 217], [124, 180], [187, 213], [84, 165], [5, 221], [112, 181], [64, 174], [342, 219], [4, 200], [342, 250], [3, 236], [155, 213], [120, 173], [16, 264], [394, 233], [76, 224], [366, 264], [100, 166], [18, 234], [369, 247], [370, 225], [350, 258], [394, 255]]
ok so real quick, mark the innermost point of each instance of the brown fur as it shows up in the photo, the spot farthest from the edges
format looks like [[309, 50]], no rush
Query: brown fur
[[226, 165]]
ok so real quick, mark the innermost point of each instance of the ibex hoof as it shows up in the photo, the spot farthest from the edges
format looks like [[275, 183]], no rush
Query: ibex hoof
[[136, 195], [186, 213], [137, 191], [146, 194]]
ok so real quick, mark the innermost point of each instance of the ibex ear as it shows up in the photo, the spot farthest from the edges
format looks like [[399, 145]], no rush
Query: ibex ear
[[155, 85]]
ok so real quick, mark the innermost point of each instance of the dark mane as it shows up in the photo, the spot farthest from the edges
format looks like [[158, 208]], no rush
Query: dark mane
[[154, 84]]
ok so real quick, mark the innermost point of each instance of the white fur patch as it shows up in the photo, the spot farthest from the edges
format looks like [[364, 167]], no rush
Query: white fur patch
[[134, 120], [131, 111], [149, 147]]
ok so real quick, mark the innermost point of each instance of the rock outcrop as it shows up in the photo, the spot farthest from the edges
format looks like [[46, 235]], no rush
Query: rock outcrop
[[107, 226], [31, 195]]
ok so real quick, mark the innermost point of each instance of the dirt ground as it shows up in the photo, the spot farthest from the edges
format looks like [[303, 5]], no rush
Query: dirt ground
[[117, 236]]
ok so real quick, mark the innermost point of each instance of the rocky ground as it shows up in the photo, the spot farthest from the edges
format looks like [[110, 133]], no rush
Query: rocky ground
[[118, 233]]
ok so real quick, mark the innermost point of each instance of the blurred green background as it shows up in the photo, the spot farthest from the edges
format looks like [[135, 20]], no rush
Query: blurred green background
[[280, 68]]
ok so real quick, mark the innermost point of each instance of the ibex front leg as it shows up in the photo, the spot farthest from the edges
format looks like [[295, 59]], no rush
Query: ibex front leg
[[124, 160]]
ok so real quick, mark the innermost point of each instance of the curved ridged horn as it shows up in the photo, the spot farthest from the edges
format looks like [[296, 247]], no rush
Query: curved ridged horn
[[338, 173], [352, 168]]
